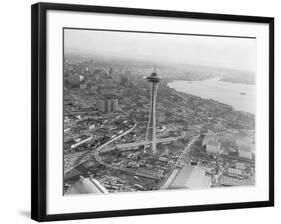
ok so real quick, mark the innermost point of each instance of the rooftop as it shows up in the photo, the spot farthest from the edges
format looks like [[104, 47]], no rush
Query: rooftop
[[189, 177], [86, 186], [210, 140]]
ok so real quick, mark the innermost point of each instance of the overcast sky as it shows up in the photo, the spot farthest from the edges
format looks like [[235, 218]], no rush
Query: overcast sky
[[224, 52]]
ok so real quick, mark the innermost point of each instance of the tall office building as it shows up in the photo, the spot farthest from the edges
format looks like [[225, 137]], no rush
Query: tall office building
[[107, 105], [151, 126]]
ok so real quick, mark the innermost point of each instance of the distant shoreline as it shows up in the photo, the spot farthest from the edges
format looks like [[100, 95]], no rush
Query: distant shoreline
[[235, 81], [233, 104]]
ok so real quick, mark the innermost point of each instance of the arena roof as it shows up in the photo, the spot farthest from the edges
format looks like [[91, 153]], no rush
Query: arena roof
[[86, 186], [189, 177]]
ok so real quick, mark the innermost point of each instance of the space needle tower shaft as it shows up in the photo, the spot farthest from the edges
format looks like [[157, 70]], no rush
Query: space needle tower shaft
[[151, 126]]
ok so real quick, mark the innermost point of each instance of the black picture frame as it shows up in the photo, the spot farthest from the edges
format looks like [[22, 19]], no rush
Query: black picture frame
[[39, 122]]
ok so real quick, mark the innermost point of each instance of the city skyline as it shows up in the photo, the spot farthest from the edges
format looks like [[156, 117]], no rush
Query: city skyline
[[211, 51]]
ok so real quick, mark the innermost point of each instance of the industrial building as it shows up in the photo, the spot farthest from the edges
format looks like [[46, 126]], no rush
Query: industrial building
[[212, 144], [245, 150], [190, 177], [232, 181]]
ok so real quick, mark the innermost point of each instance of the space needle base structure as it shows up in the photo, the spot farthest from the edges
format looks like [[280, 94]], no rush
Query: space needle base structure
[[151, 125]]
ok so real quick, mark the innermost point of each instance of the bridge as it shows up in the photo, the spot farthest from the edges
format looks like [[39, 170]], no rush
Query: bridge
[[135, 145]]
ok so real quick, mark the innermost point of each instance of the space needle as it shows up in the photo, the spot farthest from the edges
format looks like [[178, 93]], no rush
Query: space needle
[[151, 125]]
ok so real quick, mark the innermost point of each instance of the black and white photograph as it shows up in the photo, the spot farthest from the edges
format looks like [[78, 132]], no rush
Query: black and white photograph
[[151, 111], [139, 111]]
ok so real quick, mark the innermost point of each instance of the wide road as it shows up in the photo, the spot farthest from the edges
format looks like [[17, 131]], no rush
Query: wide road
[[95, 152], [186, 150], [142, 143], [129, 170], [103, 145], [98, 158]]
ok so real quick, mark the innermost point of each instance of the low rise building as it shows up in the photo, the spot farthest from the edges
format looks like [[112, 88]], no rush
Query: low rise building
[[245, 148], [231, 181], [80, 142], [133, 164], [83, 86], [233, 172], [240, 165], [245, 152], [163, 159]]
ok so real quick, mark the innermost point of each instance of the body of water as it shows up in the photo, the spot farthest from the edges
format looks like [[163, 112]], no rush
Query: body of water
[[240, 96]]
